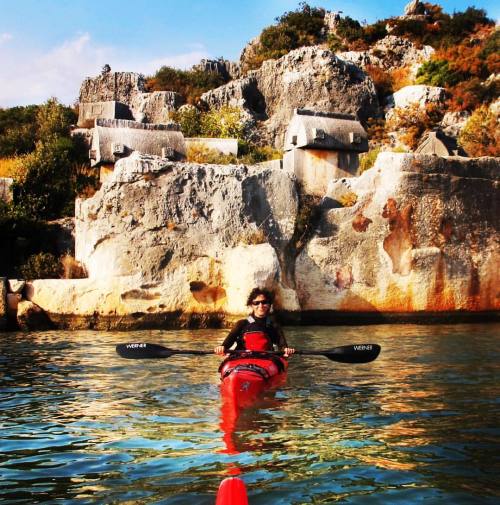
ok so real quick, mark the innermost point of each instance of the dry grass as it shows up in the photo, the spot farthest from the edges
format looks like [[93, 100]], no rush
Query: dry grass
[[199, 153], [72, 269], [348, 199], [253, 237]]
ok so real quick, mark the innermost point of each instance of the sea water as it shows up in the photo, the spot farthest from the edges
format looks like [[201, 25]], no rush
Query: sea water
[[80, 425]]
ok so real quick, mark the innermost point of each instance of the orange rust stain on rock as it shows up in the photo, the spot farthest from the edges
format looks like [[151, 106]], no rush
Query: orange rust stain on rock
[[207, 295], [398, 244], [440, 297], [360, 223], [343, 278], [320, 154]]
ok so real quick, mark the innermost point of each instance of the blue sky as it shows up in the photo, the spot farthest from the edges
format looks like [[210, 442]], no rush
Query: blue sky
[[48, 46]]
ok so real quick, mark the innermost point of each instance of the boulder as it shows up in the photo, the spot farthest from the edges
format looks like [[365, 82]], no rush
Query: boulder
[[390, 53], [414, 8], [453, 122], [30, 317], [419, 94], [15, 285], [420, 238], [308, 77]]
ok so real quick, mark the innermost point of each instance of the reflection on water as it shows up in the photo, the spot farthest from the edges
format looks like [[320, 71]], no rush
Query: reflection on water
[[81, 425]]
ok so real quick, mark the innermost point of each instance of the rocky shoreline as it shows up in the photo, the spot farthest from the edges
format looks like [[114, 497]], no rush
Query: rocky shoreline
[[169, 245]]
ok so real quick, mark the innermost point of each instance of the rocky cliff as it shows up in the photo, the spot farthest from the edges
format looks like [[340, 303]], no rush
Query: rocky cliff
[[181, 244], [309, 77]]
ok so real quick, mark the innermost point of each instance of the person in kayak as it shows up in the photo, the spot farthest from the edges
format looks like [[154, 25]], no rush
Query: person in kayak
[[258, 332]]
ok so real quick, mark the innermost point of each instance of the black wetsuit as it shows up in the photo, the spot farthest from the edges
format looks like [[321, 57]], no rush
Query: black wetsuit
[[255, 324]]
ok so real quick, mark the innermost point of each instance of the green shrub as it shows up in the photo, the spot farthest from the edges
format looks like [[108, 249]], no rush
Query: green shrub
[[437, 73], [46, 189], [42, 266], [481, 134], [226, 122], [17, 131], [367, 160], [189, 120], [301, 27], [349, 29], [249, 153], [335, 44], [191, 84], [52, 118]]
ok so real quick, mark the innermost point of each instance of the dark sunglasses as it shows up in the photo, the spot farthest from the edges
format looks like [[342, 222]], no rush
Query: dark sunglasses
[[261, 302]]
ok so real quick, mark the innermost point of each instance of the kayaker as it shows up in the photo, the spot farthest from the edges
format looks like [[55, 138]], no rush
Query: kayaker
[[258, 332]]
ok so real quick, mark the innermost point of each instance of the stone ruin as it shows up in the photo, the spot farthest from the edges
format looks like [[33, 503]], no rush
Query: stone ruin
[[123, 95], [322, 146]]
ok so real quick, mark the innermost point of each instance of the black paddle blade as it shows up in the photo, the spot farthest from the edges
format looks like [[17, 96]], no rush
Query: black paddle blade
[[358, 353], [142, 351]]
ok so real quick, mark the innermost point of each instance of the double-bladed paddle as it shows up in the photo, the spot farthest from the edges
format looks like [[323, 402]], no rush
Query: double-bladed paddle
[[358, 353]]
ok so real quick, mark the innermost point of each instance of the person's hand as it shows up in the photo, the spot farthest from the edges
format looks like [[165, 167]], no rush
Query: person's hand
[[219, 350], [288, 351]]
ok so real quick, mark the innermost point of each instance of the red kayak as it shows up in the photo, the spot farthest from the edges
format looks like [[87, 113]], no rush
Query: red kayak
[[245, 376], [232, 491]]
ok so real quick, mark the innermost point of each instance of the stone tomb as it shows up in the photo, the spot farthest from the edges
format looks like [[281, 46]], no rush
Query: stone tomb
[[320, 147], [116, 139]]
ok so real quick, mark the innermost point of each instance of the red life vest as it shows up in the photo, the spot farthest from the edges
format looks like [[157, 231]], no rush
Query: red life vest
[[256, 340]]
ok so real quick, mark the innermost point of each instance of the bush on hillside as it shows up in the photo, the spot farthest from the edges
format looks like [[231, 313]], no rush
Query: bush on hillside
[[414, 121], [226, 122], [46, 189], [481, 134], [189, 119], [41, 266], [191, 84], [301, 27], [17, 134]]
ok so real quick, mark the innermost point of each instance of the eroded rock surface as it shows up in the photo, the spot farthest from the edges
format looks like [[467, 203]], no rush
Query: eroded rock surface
[[172, 244], [309, 77], [422, 236]]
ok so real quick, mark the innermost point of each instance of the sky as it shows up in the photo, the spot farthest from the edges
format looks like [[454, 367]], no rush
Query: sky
[[47, 47]]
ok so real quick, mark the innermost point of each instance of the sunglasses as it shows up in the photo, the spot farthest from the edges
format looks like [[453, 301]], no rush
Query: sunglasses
[[261, 302]]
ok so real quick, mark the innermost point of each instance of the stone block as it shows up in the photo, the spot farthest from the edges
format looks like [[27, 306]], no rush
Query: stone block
[[16, 285], [30, 317]]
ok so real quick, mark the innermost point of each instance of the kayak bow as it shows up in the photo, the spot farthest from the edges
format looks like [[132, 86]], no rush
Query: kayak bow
[[232, 491]]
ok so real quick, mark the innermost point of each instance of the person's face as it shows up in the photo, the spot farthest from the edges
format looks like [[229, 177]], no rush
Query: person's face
[[260, 306]]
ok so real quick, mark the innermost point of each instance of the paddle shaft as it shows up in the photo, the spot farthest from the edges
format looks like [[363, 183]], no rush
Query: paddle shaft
[[360, 353]]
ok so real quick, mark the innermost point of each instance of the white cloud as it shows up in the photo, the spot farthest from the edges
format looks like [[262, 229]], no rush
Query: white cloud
[[32, 77], [5, 37]]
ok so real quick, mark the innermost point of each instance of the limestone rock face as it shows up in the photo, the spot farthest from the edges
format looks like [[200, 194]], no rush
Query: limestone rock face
[[308, 77], [422, 236], [171, 225], [112, 86], [390, 53]]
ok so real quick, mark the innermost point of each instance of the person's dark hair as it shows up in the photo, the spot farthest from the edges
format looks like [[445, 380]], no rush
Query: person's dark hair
[[260, 291]]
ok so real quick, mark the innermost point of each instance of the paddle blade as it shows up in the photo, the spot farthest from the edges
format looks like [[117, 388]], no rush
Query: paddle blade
[[357, 353], [142, 351]]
